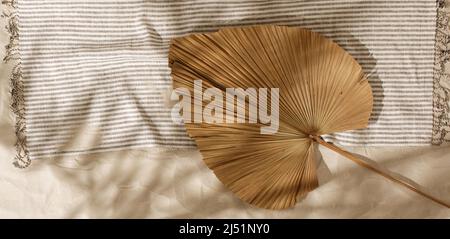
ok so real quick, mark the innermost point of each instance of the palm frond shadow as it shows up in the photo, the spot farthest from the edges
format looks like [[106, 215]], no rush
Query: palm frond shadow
[[181, 186]]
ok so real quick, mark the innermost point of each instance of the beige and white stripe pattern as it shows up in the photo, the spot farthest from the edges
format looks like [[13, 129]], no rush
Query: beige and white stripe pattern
[[102, 65]]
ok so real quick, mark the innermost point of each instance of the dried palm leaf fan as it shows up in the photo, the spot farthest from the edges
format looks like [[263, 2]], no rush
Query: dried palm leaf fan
[[322, 90]]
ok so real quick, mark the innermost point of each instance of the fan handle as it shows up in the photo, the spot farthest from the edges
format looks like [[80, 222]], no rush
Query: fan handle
[[363, 163]]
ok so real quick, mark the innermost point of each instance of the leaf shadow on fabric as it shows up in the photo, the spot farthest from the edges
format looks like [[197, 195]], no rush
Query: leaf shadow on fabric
[[147, 184]]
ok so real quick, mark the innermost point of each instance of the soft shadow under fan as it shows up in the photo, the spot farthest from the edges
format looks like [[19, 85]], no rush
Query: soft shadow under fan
[[322, 90]]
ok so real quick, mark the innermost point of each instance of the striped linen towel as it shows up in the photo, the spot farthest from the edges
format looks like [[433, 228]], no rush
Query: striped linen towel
[[101, 67]]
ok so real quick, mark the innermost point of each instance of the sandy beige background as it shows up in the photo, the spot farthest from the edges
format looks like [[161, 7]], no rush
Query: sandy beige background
[[155, 184]]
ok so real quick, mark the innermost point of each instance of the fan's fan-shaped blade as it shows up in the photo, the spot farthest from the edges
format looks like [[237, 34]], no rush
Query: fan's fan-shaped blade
[[322, 90]]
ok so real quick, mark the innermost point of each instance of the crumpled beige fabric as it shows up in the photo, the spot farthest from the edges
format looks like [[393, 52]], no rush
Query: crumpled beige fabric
[[146, 184], [157, 184]]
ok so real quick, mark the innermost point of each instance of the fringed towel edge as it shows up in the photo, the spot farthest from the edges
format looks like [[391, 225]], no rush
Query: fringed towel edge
[[10, 12], [441, 92]]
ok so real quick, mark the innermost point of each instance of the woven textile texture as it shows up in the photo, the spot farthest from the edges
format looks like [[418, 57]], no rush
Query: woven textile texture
[[101, 66]]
